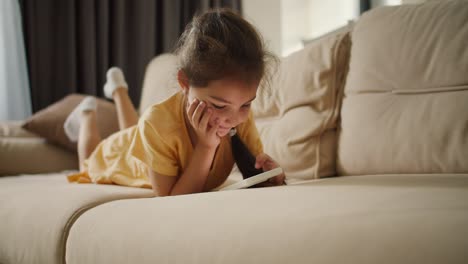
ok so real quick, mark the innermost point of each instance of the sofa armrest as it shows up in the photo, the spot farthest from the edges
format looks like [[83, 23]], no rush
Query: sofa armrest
[[14, 129], [26, 155]]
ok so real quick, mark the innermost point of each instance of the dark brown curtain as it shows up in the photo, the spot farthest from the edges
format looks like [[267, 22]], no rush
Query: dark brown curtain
[[364, 5], [70, 44]]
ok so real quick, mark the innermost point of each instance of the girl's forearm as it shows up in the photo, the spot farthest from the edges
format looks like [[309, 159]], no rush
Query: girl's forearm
[[194, 177]]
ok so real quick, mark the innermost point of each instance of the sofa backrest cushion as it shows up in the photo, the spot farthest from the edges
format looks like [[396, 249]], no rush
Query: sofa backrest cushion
[[160, 80], [405, 108], [297, 116]]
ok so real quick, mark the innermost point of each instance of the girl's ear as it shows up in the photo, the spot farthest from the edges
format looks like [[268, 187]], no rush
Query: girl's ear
[[183, 81]]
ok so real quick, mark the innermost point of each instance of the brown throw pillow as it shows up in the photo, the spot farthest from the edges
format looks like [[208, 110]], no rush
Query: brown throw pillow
[[48, 122]]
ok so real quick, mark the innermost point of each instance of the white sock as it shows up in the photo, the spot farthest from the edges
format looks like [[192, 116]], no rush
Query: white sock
[[72, 123], [115, 79]]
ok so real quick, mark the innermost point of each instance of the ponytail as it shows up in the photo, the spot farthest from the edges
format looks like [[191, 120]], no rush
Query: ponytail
[[244, 159]]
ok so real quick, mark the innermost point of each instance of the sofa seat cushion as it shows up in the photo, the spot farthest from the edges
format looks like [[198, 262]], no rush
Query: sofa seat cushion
[[356, 219], [405, 108], [36, 212]]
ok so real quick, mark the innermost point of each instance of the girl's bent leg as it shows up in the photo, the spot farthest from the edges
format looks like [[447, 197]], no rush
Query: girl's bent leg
[[126, 113], [89, 136], [116, 88]]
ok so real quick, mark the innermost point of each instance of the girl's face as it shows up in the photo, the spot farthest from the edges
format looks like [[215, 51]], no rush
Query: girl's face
[[229, 99]]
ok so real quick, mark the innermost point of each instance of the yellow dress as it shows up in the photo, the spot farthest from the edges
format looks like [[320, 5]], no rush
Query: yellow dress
[[159, 141]]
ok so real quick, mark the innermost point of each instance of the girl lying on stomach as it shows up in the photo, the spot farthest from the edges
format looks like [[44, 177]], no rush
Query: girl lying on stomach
[[182, 145]]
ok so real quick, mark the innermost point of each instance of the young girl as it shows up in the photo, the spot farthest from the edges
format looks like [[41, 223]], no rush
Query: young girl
[[183, 145]]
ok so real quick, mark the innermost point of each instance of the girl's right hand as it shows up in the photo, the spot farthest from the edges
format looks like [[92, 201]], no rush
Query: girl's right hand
[[199, 116]]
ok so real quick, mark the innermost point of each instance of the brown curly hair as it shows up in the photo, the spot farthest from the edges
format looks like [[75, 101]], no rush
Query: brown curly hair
[[220, 43]]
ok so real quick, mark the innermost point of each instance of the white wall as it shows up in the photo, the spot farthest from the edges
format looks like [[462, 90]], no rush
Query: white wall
[[331, 14], [413, 1], [284, 24], [376, 3], [265, 15], [295, 24]]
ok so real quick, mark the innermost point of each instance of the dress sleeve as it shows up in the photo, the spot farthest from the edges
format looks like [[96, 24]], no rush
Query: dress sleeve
[[249, 134], [151, 148]]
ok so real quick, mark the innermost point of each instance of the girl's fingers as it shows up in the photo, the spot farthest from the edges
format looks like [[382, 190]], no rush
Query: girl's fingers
[[269, 165], [197, 115], [205, 119], [264, 184], [278, 180], [265, 162], [260, 160], [191, 108]]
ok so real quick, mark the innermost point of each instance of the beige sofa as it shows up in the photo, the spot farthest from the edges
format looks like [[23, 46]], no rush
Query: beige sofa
[[383, 105]]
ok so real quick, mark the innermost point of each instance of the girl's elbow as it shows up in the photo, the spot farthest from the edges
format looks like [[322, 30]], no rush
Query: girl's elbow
[[161, 193]]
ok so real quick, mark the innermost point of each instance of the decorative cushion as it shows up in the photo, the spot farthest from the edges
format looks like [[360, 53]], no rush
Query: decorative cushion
[[48, 123], [297, 117], [405, 108]]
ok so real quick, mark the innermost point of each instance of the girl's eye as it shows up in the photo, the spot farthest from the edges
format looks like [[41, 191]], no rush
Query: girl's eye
[[223, 106], [218, 106]]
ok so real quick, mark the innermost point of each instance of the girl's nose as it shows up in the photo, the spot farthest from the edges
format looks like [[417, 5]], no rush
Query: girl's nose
[[230, 119]]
